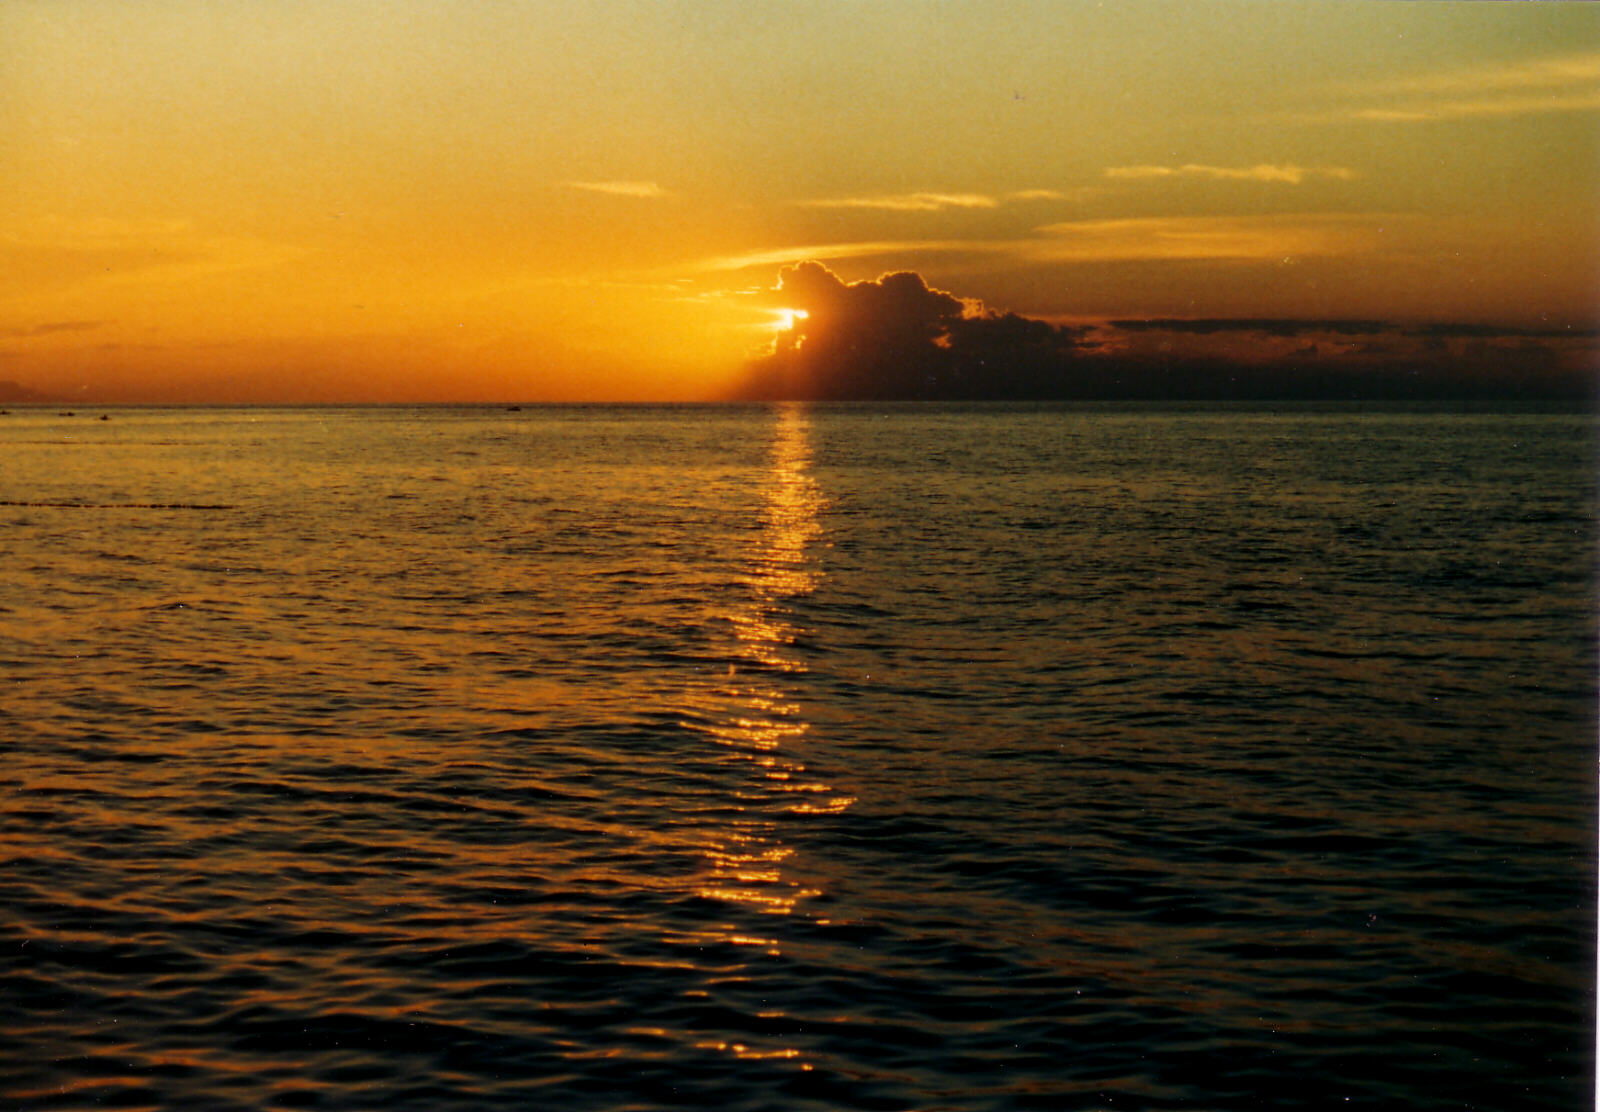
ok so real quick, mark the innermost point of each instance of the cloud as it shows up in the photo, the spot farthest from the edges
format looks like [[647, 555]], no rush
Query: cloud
[[1269, 326], [1077, 195], [898, 304], [938, 202], [1288, 174], [1494, 330], [1562, 71], [896, 337], [1386, 332], [1467, 109], [1560, 83], [1374, 358], [830, 252], [30, 331], [908, 202], [620, 188], [1134, 239], [57, 252], [1201, 237], [1275, 326]]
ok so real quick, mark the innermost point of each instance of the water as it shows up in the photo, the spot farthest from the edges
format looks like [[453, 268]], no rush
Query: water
[[785, 758]]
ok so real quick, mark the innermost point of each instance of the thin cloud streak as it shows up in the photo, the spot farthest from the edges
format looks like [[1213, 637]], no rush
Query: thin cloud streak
[[908, 202], [31, 331], [1134, 239], [1542, 73], [780, 256], [104, 250], [929, 201], [621, 188], [1289, 174], [1200, 237], [1567, 83], [1469, 109]]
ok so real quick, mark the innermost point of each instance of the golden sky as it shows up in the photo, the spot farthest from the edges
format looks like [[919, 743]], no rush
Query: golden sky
[[389, 200]]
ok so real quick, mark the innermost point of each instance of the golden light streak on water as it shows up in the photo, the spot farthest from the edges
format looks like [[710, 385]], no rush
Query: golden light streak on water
[[762, 723]]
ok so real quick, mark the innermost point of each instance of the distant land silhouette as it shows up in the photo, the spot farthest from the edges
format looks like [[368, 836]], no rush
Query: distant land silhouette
[[895, 338], [14, 393]]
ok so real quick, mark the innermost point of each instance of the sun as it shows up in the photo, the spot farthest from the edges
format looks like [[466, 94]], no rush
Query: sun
[[786, 318]]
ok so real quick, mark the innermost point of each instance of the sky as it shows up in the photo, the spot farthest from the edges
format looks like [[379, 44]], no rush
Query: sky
[[385, 200]]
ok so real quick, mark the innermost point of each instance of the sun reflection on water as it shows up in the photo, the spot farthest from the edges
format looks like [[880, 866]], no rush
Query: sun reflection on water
[[762, 723]]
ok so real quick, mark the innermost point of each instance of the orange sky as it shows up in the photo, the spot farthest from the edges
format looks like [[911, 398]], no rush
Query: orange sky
[[297, 201]]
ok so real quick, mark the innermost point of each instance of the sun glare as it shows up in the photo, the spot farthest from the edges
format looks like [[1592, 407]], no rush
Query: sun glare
[[786, 318]]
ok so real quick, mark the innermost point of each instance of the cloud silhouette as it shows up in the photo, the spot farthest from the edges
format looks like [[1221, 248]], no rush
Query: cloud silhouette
[[862, 339], [1273, 326], [1268, 326], [896, 337], [1496, 330]]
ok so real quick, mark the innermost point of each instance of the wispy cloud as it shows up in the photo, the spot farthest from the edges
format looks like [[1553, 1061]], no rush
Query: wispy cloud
[[1564, 71], [28, 332], [907, 202], [1564, 83], [56, 251], [1075, 195], [621, 188], [931, 201], [1220, 238], [1288, 173], [1466, 109], [1201, 237], [829, 252]]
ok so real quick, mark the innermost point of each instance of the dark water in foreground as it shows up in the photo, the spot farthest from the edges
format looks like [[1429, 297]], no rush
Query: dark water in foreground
[[836, 758]]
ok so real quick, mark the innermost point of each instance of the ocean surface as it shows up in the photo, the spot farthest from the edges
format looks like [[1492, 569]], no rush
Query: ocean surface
[[835, 757]]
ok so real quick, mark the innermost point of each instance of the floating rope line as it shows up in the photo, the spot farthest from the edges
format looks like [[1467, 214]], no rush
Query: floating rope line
[[127, 505]]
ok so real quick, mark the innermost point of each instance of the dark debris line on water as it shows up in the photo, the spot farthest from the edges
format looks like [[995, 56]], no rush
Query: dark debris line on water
[[124, 505]]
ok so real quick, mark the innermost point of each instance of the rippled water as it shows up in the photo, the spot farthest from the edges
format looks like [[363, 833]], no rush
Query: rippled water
[[831, 758]]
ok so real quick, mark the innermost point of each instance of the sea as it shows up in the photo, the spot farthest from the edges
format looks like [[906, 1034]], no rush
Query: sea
[[798, 757]]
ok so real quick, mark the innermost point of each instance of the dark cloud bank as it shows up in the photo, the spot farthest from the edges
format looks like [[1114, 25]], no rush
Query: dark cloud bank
[[897, 338]]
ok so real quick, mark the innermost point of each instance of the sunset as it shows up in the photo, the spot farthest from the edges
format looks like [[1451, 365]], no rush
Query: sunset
[[817, 556], [295, 202]]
